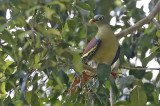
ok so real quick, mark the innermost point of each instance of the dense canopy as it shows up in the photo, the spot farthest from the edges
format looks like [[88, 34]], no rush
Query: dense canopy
[[41, 42]]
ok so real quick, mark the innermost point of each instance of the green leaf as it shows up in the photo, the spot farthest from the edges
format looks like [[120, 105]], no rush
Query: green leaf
[[28, 96], [35, 100], [2, 90], [122, 103], [53, 32], [77, 63], [149, 88], [49, 83], [8, 101], [65, 29], [28, 12], [113, 85], [148, 75], [102, 93], [72, 23], [62, 5], [48, 33], [7, 37], [3, 85], [10, 104], [22, 35], [18, 103], [83, 5], [63, 76], [158, 77], [138, 97], [121, 57], [37, 58], [11, 83], [58, 103], [67, 55], [127, 50], [158, 33], [137, 73], [156, 97], [107, 84], [49, 13], [2, 27], [125, 81], [7, 64], [35, 83], [103, 72], [55, 96], [149, 58], [153, 49]]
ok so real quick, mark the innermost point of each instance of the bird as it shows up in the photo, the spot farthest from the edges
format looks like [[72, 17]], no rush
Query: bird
[[103, 48]]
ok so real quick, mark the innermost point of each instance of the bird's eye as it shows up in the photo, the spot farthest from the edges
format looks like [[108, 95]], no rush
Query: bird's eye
[[100, 18]]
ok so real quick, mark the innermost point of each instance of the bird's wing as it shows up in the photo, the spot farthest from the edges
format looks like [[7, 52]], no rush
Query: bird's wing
[[90, 50], [117, 55]]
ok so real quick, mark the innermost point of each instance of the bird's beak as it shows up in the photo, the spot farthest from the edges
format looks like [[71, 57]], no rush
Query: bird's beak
[[92, 21]]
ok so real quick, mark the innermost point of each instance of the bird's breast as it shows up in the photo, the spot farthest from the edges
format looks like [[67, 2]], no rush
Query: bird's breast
[[108, 48]]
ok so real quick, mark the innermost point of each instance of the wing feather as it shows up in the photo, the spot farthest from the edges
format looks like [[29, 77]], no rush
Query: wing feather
[[117, 55], [90, 50]]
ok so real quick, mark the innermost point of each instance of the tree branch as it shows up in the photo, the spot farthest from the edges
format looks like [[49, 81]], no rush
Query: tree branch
[[92, 71], [134, 68], [140, 23], [112, 97]]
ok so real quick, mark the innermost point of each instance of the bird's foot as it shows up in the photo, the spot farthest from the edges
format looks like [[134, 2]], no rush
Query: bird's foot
[[114, 75]]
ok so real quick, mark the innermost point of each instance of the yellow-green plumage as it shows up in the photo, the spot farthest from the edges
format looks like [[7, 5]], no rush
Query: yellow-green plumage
[[109, 45], [107, 49], [103, 48]]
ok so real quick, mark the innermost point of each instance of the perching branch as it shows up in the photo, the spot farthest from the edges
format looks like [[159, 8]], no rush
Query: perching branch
[[92, 71], [140, 23], [134, 68]]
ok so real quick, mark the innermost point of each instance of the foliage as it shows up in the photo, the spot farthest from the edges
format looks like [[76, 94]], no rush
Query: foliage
[[41, 43]]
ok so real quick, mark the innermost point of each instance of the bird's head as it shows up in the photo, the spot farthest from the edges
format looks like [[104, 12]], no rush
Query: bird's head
[[98, 20]]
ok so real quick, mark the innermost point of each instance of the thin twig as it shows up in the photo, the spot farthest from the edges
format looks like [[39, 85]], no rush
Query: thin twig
[[12, 90], [158, 17], [140, 23], [17, 84], [112, 97], [42, 84], [135, 68]]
